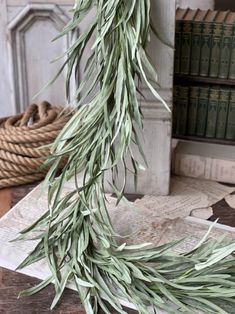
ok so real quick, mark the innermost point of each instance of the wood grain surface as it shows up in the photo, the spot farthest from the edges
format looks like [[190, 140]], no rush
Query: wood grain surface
[[10, 285], [5, 201]]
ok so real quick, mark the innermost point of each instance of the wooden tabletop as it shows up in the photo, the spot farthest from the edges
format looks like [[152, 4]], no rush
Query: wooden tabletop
[[11, 283]]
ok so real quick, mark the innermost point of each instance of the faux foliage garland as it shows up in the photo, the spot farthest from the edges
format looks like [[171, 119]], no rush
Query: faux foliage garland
[[75, 235]]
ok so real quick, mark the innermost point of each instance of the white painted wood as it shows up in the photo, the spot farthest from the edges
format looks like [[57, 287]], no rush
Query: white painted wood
[[6, 98], [25, 2], [26, 31], [157, 120], [32, 51]]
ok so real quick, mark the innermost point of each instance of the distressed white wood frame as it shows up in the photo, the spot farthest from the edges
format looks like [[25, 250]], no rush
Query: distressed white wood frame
[[156, 142], [6, 91], [157, 121], [17, 28]]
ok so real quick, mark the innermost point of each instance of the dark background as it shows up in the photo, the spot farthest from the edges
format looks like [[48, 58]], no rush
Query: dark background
[[225, 5]]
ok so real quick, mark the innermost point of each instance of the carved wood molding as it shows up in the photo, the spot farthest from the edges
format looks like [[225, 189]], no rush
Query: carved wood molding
[[17, 29], [6, 97], [25, 2]]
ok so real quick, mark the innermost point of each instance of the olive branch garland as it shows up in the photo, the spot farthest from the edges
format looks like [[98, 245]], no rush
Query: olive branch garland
[[75, 235]]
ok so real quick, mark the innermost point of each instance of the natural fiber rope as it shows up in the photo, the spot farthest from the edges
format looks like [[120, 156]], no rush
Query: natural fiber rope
[[21, 139]]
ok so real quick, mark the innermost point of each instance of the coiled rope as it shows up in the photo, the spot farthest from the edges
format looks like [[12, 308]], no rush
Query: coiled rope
[[21, 139]]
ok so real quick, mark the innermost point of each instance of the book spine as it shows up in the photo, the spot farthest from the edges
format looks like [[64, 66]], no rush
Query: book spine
[[196, 48], [207, 30], [226, 48], [202, 111], [175, 103], [212, 112], [215, 50], [182, 110], [192, 110], [196, 166], [178, 33], [230, 132], [232, 59], [222, 113], [189, 165], [223, 170], [186, 47]]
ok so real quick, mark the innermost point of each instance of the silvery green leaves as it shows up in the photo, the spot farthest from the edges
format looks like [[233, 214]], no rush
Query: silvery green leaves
[[75, 235]]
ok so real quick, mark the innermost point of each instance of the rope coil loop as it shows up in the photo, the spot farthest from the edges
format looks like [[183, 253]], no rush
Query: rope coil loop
[[21, 139]]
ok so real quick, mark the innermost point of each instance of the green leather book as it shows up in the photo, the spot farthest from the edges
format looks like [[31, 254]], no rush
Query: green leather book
[[222, 113], [226, 46], [232, 59], [192, 109], [206, 42], [230, 131], [196, 42], [212, 111], [182, 110], [202, 110], [216, 44], [186, 41], [180, 13], [175, 103]]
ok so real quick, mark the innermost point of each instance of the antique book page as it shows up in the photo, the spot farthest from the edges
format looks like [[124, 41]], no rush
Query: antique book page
[[186, 195], [146, 220], [152, 219]]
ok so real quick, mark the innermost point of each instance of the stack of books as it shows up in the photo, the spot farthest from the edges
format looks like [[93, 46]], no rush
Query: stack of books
[[205, 43], [205, 161], [204, 111], [204, 91]]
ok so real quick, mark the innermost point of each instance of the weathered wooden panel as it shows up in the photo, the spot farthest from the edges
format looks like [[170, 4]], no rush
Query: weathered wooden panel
[[26, 32], [157, 120], [6, 98], [25, 2], [157, 123], [32, 51]]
